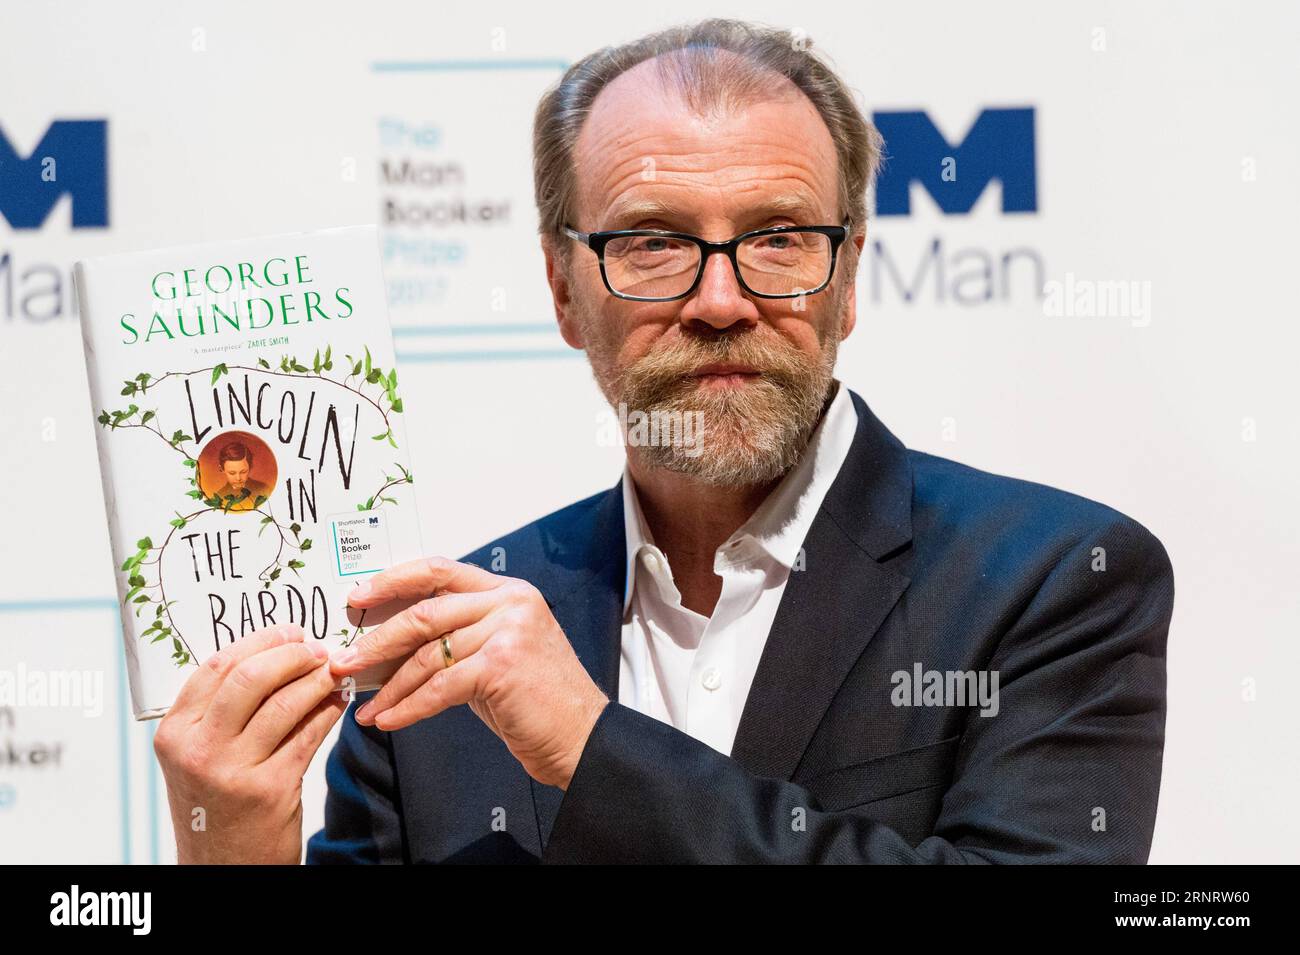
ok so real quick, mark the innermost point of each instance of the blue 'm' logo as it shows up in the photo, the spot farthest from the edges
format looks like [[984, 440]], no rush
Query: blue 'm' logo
[[71, 159], [999, 145]]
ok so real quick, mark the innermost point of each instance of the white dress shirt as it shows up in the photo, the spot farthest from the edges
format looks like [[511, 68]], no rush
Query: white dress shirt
[[693, 671]]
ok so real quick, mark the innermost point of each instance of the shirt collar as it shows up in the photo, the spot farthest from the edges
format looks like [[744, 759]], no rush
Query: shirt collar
[[635, 531], [780, 524]]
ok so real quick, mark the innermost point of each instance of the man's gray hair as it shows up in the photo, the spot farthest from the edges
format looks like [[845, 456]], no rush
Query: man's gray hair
[[693, 61]]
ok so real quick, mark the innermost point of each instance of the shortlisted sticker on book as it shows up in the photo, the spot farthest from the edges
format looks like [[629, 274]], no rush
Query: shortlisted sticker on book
[[360, 544], [250, 431]]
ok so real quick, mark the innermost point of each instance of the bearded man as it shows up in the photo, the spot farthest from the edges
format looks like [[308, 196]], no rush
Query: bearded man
[[789, 640]]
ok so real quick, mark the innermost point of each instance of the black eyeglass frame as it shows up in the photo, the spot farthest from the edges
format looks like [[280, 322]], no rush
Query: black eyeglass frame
[[596, 241]]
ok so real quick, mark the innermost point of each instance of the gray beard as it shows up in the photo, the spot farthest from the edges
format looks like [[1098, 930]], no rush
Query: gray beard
[[746, 437], [743, 439]]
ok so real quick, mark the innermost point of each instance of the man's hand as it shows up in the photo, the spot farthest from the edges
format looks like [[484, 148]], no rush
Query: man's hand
[[514, 666], [236, 743]]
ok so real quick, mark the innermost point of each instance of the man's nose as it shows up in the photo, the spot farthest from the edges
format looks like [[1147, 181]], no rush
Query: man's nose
[[719, 300]]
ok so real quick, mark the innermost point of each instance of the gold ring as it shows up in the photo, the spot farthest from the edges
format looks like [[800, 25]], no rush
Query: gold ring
[[447, 658]]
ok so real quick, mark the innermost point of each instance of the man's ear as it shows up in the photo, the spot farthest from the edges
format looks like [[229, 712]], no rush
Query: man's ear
[[561, 296], [850, 318]]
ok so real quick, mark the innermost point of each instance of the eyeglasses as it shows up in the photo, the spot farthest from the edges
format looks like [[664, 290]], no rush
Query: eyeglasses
[[652, 265]]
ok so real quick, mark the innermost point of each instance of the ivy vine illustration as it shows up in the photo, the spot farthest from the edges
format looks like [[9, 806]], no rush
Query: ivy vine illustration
[[362, 372]]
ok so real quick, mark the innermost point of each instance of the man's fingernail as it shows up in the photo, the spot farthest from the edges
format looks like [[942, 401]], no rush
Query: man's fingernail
[[361, 590], [319, 650], [343, 657], [364, 711]]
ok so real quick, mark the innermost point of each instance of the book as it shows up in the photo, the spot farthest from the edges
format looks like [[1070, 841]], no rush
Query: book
[[251, 440]]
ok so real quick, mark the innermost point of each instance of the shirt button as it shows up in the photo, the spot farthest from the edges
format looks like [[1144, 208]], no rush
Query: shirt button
[[711, 678]]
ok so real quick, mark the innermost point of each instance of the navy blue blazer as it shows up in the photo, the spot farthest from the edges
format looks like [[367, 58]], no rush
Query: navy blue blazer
[[913, 561]]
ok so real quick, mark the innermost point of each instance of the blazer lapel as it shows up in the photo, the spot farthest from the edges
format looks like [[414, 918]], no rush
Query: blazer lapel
[[833, 607]]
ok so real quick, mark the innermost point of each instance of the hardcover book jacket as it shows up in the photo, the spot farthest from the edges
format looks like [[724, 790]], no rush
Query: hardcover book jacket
[[252, 446]]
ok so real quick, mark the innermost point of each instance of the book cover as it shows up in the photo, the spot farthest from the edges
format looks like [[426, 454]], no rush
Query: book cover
[[253, 456]]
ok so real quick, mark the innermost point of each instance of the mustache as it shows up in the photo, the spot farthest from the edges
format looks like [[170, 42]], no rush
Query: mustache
[[672, 364]]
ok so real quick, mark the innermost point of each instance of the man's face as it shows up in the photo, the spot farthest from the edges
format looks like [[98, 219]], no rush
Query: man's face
[[236, 472], [758, 370]]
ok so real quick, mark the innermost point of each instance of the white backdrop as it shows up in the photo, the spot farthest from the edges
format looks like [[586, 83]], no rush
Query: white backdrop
[[1166, 148]]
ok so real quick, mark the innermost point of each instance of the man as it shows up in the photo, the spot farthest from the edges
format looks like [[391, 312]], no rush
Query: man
[[802, 643]]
